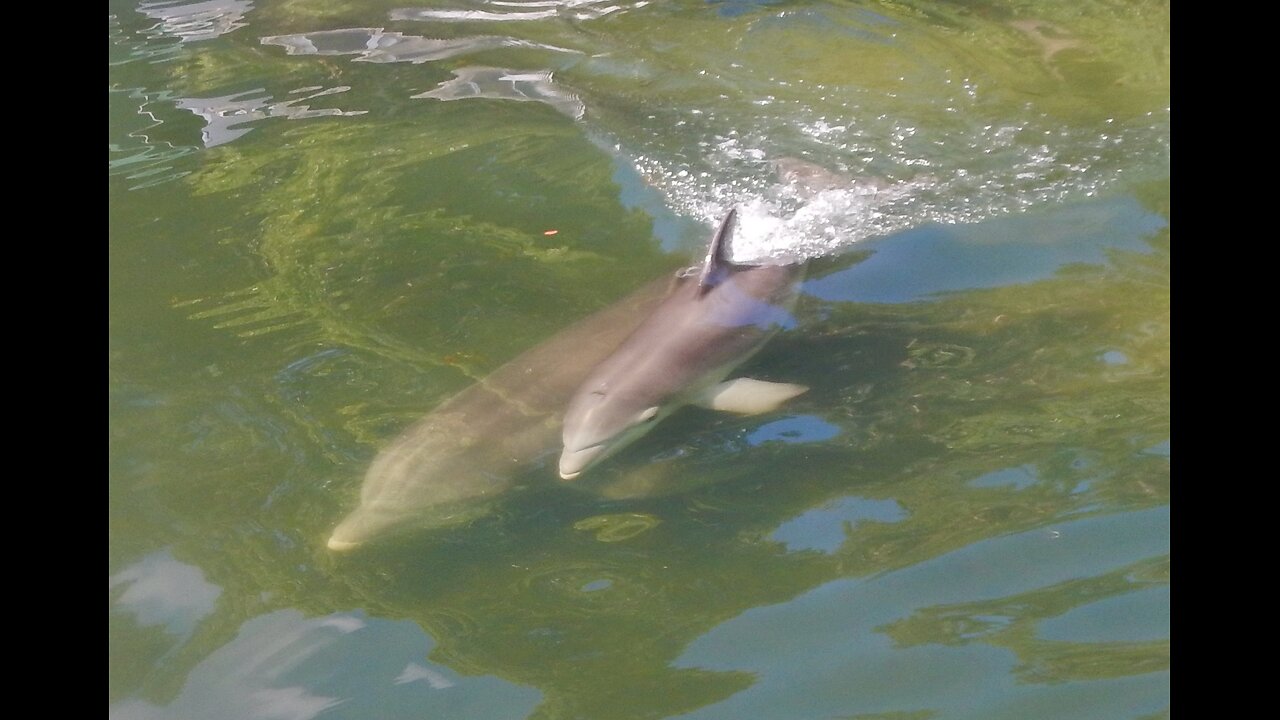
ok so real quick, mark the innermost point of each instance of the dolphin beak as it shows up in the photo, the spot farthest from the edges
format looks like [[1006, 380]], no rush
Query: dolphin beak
[[346, 536], [354, 531], [338, 545], [573, 462]]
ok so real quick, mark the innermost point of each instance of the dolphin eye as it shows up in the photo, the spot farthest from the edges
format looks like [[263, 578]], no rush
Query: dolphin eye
[[598, 393], [649, 414]]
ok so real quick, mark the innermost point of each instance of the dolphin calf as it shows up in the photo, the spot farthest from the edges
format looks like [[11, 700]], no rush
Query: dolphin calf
[[476, 444], [681, 354]]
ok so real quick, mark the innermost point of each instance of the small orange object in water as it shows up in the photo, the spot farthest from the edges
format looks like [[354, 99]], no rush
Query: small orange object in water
[[550, 232]]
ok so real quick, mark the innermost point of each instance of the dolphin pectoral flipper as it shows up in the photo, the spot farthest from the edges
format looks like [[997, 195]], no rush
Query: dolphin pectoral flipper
[[748, 396]]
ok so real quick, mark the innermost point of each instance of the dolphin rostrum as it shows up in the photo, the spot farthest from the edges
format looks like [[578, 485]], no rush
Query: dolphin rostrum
[[476, 444], [682, 353]]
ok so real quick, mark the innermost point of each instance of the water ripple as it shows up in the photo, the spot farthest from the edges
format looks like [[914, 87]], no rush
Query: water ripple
[[195, 21], [502, 11], [504, 84], [376, 45], [144, 154], [225, 114]]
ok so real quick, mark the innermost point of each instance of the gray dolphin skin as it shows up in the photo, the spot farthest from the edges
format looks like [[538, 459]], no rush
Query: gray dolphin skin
[[475, 445], [682, 353]]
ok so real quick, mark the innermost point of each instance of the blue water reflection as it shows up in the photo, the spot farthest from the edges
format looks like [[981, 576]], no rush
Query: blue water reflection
[[1138, 616], [284, 665], [826, 653], [794, 429], [161, 590], [826, 528], [926, 261], [734, 8], [1114, 357], [1160, 449], [1016, 478]]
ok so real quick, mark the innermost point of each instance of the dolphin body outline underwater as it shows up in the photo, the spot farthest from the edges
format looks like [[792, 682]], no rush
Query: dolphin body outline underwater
[[476, 444]]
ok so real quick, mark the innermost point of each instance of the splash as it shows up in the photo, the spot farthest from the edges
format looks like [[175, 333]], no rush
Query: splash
[[788, 209], [871, 184]]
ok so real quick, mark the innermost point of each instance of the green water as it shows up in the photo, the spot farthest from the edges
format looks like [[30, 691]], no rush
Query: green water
[[967, 516]]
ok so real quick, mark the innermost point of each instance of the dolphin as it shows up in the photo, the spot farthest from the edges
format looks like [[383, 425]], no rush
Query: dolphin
[[681, 354], [475, 445]]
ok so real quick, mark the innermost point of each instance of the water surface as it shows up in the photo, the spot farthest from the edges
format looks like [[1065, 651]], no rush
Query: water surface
[[328, 216]]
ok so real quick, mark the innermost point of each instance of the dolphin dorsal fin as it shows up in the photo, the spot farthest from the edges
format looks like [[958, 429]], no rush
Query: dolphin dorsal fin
[[715, 252]]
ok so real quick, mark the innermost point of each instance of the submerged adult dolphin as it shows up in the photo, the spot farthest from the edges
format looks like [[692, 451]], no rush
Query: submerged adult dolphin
[[681, 354], [477, 443]]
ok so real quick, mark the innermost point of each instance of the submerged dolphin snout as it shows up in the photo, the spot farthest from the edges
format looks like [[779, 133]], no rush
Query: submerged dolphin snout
[[363, 525], [338, 545], [350, 534], [573, 462]]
